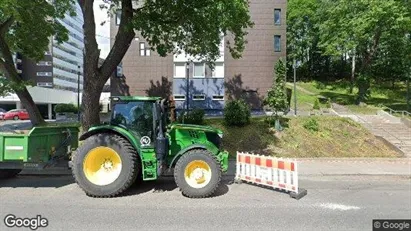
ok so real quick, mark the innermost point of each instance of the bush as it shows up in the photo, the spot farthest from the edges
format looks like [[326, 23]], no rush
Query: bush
[[316, 104], [65, 108], [311, 125], [195, 116], [237, 113], [328, 104]]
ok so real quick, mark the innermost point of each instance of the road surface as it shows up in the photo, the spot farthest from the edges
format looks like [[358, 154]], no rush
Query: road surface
[[332, 203]]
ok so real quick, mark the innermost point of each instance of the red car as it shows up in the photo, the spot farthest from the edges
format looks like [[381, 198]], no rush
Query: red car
[[16, 114]]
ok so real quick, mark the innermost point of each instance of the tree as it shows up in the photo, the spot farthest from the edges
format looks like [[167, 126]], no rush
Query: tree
[[167, 26], [360, 27], [26, 27], [277, 97]]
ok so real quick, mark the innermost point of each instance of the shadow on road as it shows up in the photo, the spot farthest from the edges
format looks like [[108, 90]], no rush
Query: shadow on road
[[36, 182], [162, 185], [166, 184]]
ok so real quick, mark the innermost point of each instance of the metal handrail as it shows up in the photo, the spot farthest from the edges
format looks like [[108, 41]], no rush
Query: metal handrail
[[402, 112]]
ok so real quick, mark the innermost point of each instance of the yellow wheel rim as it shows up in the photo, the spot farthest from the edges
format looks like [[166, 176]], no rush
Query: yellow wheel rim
[[102, 166], [197, 174]]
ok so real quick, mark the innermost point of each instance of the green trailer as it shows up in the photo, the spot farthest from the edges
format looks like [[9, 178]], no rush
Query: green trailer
[[38, 148]]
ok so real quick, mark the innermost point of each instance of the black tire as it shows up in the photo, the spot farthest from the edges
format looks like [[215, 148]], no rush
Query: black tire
[[16, 118], [9, 173], [210, 159], [129, 170]]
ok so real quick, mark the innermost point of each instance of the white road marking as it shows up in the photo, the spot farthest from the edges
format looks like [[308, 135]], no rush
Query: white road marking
[[338, 207]]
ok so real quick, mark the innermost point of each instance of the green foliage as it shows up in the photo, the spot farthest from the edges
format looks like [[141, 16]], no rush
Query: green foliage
[[277, 96], [311, 125], [29, 31], [194, 26], [65, 108], [324, 35], [195, 116], [316, 105], [237, 113], [328, 104]]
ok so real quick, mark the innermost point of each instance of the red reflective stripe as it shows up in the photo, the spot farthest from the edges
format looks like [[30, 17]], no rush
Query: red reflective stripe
[[281, 185], [270, 182], [292, 166], [258, 161], [269, 163], [248, 178], [293, 188], [247, 160], [258, 180], [281, 164]]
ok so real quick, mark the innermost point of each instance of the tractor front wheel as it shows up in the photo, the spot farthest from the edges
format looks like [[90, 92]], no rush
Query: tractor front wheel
[[105, 165], [197, 173], [9, 173]]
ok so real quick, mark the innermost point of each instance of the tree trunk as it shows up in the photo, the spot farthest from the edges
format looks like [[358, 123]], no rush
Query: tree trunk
[[8, 67], [352, 81], [90, 106], [27, 101]]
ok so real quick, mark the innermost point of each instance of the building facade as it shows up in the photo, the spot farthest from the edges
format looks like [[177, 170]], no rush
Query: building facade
[[62, 62], [59, 75], [144, 72]]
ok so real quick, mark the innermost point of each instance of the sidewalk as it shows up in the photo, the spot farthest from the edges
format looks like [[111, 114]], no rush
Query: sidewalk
[[309, 167]]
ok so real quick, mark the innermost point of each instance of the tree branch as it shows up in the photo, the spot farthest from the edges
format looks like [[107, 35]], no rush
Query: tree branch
[[92, 52], [122, 41], [6, 25]]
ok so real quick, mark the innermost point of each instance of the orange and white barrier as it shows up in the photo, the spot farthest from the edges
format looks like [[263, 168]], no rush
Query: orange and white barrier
[[273, 172]]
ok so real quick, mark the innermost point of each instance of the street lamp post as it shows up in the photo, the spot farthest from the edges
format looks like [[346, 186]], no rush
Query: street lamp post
[[78, 94], [295, 87]]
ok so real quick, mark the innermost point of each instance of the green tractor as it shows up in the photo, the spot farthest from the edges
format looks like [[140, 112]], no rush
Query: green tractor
[[142, 142]]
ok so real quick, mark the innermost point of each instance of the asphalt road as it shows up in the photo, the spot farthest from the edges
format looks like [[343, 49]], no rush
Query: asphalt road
[[332, 203]]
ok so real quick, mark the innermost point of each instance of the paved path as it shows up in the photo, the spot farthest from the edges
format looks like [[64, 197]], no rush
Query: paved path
[[332, 203]]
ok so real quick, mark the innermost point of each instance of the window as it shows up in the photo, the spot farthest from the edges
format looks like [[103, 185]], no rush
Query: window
[[44, 74], [277, 16], [44, 84], [277, 43], [218, 71], [218, 97], [179, 70], [199, 97], [44, 63], [199, 70], [144, 51], [179, 97], [118, 17]]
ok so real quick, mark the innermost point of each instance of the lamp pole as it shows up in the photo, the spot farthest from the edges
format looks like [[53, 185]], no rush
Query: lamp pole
[[187, 85], [78, 94], [295, 87]]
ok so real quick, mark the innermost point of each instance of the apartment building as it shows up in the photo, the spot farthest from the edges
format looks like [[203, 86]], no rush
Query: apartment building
[[144, 72], [62, 62]]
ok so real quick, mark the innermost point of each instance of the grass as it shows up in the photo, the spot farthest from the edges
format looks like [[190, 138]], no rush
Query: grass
[[336, 137], [338, 92]]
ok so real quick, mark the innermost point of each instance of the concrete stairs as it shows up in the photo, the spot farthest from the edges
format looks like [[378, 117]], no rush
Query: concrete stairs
[[382, 124], [390, 128]]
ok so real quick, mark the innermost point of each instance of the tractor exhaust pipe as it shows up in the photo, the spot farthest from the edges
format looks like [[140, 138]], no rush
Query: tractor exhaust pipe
[[161, 145]]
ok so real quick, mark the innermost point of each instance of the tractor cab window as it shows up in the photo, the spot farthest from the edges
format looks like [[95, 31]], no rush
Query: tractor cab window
[[136, 116]]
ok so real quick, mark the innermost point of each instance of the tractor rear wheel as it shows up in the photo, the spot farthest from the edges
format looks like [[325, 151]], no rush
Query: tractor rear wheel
[[9, 173], [105, 165], [197, 173]]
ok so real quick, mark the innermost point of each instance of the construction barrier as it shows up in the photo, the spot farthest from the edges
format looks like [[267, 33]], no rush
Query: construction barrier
[[273, 172]]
